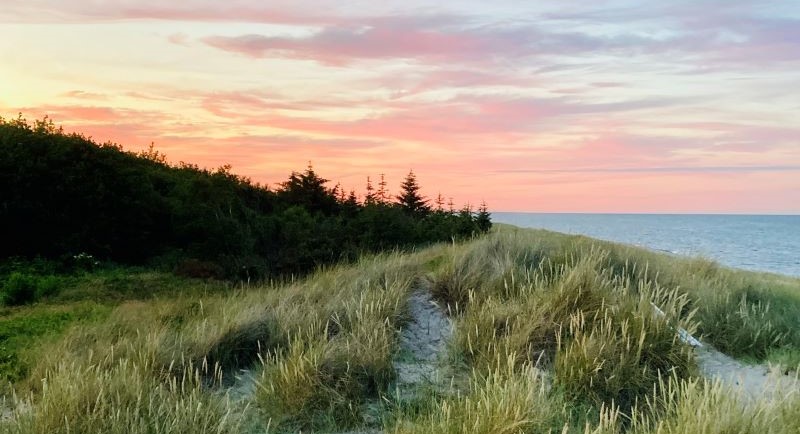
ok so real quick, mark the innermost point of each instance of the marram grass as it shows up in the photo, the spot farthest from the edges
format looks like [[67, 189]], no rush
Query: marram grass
[[553, 334]]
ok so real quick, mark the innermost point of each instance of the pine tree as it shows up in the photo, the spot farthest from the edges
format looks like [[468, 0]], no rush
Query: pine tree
[[451, 206], [369, 198], [410, 199], [339, 193], [439, 203], [383, 193], [350, 204], [484, 219], [307, 189]]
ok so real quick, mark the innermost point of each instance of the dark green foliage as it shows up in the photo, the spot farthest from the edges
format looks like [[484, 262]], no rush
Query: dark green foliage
[[64, 197], [410, 198], [21, 288], [484, 219], [197, 269]]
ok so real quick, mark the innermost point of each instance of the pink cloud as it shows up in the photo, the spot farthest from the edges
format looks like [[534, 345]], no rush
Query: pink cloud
[[338, 46], [80, 94], [178, 39]]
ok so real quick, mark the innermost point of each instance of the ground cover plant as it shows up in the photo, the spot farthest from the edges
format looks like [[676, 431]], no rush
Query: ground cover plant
[[552, 333]]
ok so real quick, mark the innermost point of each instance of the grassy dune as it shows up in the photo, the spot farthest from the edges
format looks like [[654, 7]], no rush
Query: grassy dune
[[553, 333]]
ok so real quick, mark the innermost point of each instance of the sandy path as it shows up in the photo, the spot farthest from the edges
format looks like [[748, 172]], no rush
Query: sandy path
[[423, 345], [753, 382]]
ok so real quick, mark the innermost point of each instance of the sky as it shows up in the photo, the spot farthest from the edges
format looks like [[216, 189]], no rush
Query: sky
[[685, 106]]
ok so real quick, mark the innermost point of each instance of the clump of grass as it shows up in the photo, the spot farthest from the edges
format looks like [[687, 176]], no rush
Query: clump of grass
[[701, 406], [23, 332], [340, 358], [787, 358], [21, 288], [591, 323], [505, 400], [122, 397], [742, 327]]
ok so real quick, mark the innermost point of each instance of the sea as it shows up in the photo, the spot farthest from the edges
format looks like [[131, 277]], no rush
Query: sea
[[768, 243]]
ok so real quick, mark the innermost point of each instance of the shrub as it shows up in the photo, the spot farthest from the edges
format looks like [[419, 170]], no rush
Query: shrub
[[22, 288], [19, 289], [197, 269]]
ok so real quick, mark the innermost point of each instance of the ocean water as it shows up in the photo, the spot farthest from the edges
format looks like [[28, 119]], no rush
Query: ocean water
[[754, 242]]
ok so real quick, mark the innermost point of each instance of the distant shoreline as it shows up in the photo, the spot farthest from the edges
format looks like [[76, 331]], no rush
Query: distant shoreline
[[761, 243]]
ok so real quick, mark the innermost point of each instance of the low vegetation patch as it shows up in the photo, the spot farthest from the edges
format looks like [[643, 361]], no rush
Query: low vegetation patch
[[552, 333]]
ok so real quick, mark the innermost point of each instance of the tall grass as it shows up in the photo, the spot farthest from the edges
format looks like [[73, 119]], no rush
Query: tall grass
[[595, 327], [320, 347], [505, 400], [701, 406], [552, 334], [122, 397]]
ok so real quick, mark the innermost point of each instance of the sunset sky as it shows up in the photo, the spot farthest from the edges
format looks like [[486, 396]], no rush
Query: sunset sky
[[552, 106]]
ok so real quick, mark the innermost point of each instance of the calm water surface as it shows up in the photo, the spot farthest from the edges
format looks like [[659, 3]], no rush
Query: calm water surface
[[763, 243]]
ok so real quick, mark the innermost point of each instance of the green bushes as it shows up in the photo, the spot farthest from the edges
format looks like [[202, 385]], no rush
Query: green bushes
[[135, 209], [21, 331], [21, 288]]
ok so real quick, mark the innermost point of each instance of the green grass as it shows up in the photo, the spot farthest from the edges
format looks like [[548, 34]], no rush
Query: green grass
[[23, 332], [77, 299], [553, 333]]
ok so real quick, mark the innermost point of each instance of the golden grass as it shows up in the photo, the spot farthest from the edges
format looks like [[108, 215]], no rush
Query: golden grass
[[552, 334]]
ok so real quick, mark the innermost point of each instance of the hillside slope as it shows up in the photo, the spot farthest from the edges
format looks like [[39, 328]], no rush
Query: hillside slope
[[550, 333], [63, 195]]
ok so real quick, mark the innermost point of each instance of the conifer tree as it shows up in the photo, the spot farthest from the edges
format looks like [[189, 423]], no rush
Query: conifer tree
[[382, 195], [369, 198], [350, 204], [308, 189], [410, 199], [484, 219], [439, 202]]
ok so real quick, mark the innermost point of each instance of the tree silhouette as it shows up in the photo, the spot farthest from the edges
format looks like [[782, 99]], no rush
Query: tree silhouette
[[383, 193], [484, 219], [439, 203], [135, 208], [410, 199], [369, 198], [308, 190]]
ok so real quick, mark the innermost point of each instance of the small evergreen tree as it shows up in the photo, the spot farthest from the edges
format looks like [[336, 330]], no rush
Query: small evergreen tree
[[307, 189], [382, 195], [439, 203], [484, 219], [350, 204], [369, 198], [410, 199]]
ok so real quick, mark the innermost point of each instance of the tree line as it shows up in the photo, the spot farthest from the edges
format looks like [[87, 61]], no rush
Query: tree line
[[62, 195]]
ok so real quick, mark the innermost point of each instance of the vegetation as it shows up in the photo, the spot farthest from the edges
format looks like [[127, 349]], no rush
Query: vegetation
[[553, 333], [64, 196]]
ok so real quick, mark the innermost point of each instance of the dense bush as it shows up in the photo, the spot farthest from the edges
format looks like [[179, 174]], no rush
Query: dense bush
[[64, 196], [20, 288]]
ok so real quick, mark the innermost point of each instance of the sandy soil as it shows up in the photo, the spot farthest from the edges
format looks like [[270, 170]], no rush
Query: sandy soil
[[753, 382], [423, 344]]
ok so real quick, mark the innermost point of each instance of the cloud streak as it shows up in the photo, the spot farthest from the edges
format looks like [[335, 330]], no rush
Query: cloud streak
[[675, 169]]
